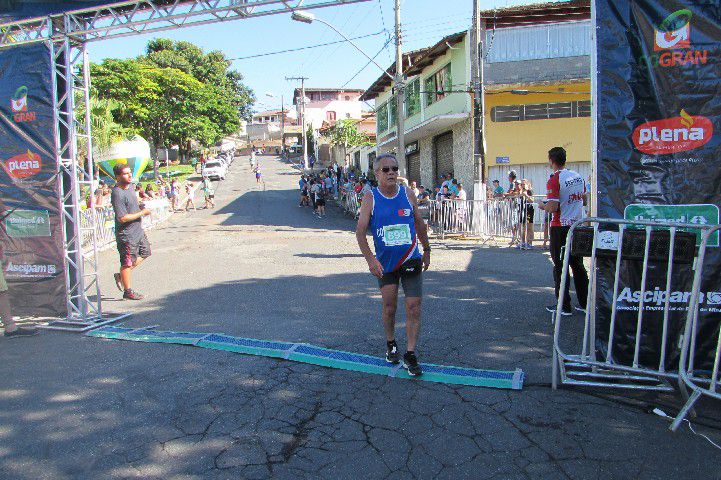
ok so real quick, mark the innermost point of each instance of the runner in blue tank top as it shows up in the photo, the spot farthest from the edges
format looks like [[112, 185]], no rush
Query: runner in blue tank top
[[391, 211]]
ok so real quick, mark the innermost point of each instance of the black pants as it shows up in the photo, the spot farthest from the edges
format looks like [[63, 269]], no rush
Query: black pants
[[580, 277]]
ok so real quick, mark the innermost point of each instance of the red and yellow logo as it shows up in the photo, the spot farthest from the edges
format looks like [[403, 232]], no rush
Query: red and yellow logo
[[672, 38], [673, 135], [23, 166]]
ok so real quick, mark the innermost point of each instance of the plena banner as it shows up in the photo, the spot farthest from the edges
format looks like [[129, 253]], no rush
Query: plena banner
[[31, 246], [659, 64]]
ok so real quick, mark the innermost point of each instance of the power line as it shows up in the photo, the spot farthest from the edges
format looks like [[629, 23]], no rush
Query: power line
[[368, 63], [305, 48]]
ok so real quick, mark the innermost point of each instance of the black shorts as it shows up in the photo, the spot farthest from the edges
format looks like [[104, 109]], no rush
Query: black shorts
[[410, 275], [320, 202], [130, 251]]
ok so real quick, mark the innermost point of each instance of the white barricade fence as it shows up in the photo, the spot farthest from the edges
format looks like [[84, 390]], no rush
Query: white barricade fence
[[497, 217], [699, 380], [350, 202], [103, 219], [631, 329]]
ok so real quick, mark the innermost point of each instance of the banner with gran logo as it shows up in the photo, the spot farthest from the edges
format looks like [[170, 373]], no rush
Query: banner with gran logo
[[31, 246], [659, 156]]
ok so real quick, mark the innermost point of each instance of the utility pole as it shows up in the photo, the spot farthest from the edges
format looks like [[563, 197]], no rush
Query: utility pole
[[400, 96], [302, 118], [282, 125], [478, 35]]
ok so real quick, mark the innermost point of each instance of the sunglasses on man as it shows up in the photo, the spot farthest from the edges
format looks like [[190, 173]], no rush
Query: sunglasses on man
[[388, 169]]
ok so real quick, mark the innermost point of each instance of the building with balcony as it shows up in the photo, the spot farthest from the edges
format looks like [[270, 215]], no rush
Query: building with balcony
[[328, 105], [437, 112], [537, 95]]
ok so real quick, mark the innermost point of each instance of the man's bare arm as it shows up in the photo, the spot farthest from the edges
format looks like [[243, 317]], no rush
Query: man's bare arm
[[360, 234]]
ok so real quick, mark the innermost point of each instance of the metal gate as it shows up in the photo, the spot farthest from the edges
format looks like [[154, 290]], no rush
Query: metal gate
[[443, 155]]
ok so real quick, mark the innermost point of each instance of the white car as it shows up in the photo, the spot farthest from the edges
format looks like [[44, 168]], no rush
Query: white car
[[216, 170]]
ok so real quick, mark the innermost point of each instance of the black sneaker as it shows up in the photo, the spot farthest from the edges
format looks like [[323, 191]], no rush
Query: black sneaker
[[118, 282], [410, 363], [21, 332], [392, 355], [566, 312], [132, 295]]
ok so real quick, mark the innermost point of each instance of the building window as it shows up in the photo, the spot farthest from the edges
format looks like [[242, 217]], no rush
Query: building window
[[438, 85], [392, 110], [330, 115], [413, 98], [541, 111], [382, 117]]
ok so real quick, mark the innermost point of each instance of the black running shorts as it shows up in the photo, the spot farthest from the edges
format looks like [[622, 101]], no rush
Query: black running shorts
[[410, 276]]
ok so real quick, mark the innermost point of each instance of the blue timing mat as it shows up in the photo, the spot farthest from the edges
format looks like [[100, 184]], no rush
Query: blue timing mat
[[324, 357]]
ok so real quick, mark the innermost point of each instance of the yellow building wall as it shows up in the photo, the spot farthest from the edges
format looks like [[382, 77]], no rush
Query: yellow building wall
[[528, 141]]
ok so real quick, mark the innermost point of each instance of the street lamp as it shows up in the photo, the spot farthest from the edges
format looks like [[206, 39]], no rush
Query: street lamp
[[307, 17]]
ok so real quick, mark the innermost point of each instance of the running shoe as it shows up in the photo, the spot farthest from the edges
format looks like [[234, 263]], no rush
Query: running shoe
[[118, 282], [580, 309], [392, 355], [410, 363], [566, 312], [21, 332], [132, 295]]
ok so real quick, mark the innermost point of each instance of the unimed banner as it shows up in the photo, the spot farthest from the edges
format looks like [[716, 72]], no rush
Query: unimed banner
[[659, 157], [31, 247]]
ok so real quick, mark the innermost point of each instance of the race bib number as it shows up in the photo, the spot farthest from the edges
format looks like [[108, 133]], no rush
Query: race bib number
[[397, 235]]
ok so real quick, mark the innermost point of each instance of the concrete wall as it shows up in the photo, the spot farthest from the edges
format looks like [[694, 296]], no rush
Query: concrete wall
[[463, 155]]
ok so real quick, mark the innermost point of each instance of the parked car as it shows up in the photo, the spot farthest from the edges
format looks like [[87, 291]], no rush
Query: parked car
[[216, 170]]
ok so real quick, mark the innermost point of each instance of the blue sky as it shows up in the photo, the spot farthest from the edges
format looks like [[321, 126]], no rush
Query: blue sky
[[424, 22]]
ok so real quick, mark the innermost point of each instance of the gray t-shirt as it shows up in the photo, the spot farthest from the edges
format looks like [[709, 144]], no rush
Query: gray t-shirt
[[125, 201]]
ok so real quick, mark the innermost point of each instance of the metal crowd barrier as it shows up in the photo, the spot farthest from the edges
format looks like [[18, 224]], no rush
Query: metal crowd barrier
[[350, 202], [498, 217], [666, 248], [698, 381]]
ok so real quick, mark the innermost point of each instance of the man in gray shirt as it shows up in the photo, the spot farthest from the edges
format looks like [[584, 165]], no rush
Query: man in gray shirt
[[133, 245]]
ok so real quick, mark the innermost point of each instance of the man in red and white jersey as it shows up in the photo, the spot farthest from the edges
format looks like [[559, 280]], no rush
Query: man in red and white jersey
[[565, 201]]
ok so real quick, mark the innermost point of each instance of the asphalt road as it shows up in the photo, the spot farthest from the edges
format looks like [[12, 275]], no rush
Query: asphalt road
[[259, 266]]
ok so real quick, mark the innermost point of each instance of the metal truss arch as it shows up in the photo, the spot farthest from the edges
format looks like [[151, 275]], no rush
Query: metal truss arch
[[146, 16]]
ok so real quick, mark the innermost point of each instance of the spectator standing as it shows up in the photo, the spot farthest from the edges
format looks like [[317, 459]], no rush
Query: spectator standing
[[414, 187], [209, 193], [133, 245], [190, 189], [174, 195], [497, 189], [527, 214], [423, 197], [318, 200], [565, 201]]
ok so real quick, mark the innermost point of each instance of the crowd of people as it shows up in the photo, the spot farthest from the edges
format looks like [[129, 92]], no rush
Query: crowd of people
[[172, 190]]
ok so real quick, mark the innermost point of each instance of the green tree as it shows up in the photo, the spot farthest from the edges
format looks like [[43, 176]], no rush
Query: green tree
[[175, 94], [345, 133], [211, 68]]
